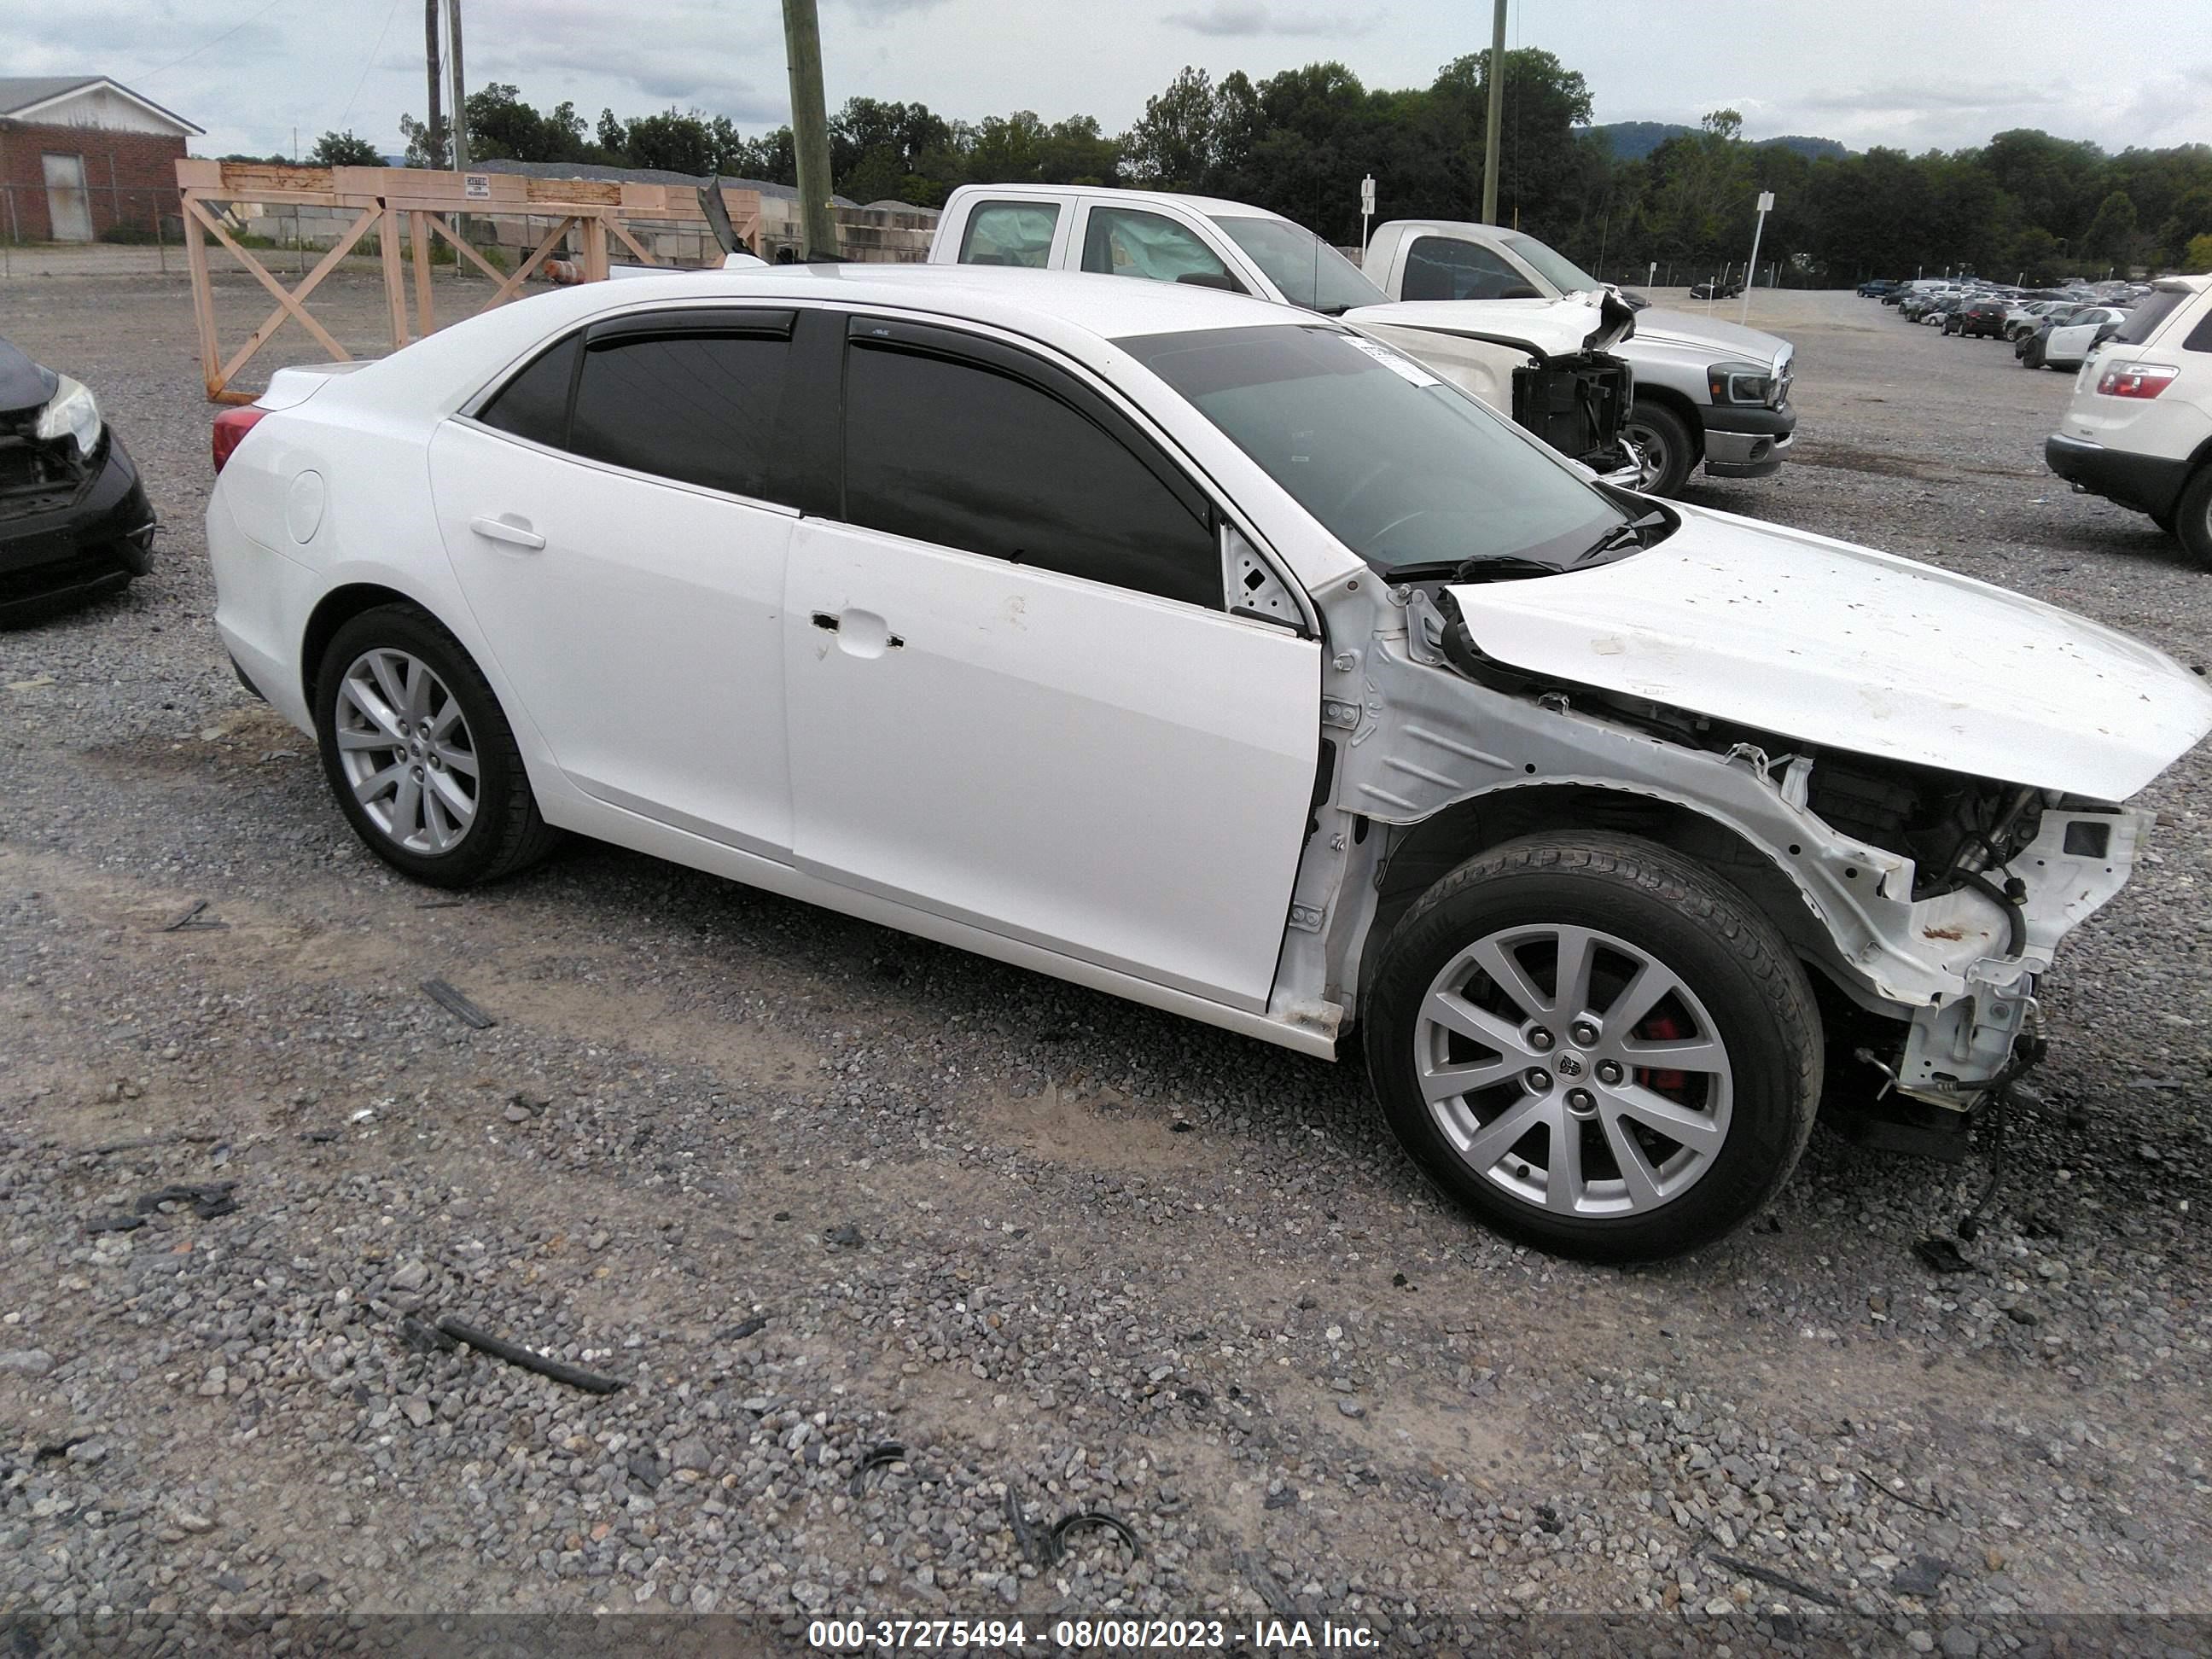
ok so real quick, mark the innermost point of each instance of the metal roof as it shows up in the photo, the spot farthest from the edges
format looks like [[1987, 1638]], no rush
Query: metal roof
[[19, 93]]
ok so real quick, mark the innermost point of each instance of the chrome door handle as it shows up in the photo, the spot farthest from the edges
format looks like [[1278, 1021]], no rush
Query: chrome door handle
[[515, 532]]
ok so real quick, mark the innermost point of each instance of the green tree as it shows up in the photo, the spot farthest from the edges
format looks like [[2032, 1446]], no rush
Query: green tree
[[428, 143], [1172, 145], [503, 127], [345, 149], [2196, 257], [2112, 233]]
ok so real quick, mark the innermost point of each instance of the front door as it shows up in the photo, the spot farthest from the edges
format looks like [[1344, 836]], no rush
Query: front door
[[69, 209], [1015, 698], [615, 516]]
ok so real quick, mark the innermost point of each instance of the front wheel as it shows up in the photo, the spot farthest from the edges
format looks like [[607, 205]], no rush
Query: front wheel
[[419, 754], [1665, 442], [1597, 1046]]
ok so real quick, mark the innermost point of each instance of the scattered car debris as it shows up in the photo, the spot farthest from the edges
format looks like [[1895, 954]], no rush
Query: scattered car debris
[[1781, 1581], [877, 1457], [1103, 1519], [457, 1004], [1942, 1254], [515, 1354], [207, 1201], [744, 1328], [424, 1338], [114, 1223], [190, 921], [847, 1235], [1921, 1576], [1270, 1588], [1036, 1549]]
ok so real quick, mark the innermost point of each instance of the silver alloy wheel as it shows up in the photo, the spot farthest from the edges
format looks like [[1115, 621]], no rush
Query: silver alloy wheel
[[1614, 1065], [1650, 449], [406, 752]]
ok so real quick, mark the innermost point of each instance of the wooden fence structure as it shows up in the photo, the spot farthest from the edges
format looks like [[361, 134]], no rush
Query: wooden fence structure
[[428, 204]]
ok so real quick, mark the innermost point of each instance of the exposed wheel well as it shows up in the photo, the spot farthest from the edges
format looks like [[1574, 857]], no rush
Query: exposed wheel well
[[339, 607], [1432, 848]]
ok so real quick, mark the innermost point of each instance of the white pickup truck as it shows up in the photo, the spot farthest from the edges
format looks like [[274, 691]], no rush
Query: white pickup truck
[[1706, 391], [1547, 363]]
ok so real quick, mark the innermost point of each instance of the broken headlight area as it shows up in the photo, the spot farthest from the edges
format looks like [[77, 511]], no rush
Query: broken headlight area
[[1576, 404]]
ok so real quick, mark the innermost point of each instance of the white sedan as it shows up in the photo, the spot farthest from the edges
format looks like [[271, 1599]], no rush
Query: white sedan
[[2068, 345], [1222, 659]]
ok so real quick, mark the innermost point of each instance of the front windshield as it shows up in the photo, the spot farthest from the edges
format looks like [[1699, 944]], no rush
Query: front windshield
[[1554, 266], [1403, 468], [1309, 271]]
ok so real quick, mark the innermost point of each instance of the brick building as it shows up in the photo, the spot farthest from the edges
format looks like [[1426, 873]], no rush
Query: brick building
[[81, 154]]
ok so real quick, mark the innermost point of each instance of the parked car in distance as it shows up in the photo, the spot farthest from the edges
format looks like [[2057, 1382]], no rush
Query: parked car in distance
[[73, 518], [2069, 345], [1707, 392], [1874, 287], [1983, 318], [2138, 429], [2027, 315], [1549, 362], [1213, 655]]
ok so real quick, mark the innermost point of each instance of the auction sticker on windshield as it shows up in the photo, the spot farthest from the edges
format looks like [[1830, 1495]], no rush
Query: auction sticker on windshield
[[1404, 367]]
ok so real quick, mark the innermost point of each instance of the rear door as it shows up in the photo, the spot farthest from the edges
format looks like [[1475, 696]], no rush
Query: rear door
[[1115, 238], [1008, 228], [619, 515], [1016, 698]]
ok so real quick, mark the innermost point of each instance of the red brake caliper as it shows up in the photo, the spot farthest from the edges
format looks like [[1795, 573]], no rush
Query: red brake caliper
[[1660, 1028]]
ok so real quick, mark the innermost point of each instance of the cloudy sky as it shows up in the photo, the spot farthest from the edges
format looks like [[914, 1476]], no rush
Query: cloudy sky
[[1943, 73]]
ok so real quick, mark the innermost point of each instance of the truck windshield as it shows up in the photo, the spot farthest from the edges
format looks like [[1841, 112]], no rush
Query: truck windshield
[[1554, 266], [1408, 472], [1309, 271]]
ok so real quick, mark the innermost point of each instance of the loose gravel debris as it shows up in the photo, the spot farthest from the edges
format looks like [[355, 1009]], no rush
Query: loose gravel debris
[[814, 1190]]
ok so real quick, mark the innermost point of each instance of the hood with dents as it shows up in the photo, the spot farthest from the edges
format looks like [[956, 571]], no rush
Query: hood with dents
[[1695, 328], [23, 385], [1841, 647], [1545, 328]]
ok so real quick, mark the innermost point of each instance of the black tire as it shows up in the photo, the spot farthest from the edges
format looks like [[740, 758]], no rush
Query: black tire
[[1742, 978], [2192, 516], [506, 832], [1668, 445]]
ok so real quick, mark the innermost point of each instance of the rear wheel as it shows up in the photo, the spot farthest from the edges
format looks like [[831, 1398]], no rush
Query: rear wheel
[[1597, 1046], [419, 755], [2193, 515], [1668, 445]]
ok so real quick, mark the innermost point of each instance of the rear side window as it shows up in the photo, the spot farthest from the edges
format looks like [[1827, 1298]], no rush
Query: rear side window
[[1445, 268], [964, 456], [2200, 337], [534, 404], [2153, 309], [697, 407], [1009, 234], [1130, 242]]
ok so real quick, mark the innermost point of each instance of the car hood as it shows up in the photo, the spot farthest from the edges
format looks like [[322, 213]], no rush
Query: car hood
[[1839, 645], [1693, 328], [1546, 328], [23, 384]]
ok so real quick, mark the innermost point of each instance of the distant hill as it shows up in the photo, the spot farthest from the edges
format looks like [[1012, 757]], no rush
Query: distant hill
[[1631, 140]]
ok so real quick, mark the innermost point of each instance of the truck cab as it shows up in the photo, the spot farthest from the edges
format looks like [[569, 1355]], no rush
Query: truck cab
[[1707, 392], [1547, 363]]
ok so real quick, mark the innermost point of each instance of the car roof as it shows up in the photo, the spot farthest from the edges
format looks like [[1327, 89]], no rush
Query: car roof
[[1206, 204], [1076, 312]]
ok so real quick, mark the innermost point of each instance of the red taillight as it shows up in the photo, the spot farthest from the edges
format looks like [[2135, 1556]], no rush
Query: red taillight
[[230, 428], [2135, 379]]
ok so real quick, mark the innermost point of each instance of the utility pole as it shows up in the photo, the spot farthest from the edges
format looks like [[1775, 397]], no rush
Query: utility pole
[[460, 88], [1497, 115], [430, 62], [810, 128]]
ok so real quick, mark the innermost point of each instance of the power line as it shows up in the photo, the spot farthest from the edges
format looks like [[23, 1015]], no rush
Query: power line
[[390, 12], [148, 75]]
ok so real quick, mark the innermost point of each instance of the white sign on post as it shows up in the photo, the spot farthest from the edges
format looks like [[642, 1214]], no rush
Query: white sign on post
[[1366, 212], [1751, 271]]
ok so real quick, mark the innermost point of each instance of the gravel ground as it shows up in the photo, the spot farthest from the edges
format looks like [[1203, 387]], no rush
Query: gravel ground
[[814, 1190]]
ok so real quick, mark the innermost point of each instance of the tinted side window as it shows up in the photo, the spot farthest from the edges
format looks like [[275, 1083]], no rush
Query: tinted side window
[[1130, 242], [2150, 311], [1009, 234], [534, 404], [1445, 268], [966, 457], [699, 408], [2200, 337]]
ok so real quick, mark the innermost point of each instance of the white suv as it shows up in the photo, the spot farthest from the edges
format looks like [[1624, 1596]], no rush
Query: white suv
[[2139, 429]]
